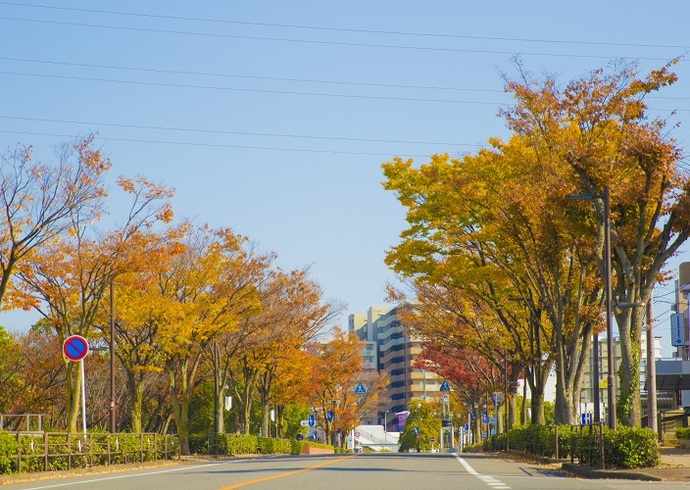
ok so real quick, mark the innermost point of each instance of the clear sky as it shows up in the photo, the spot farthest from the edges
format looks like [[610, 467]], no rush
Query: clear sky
[[273, 117]]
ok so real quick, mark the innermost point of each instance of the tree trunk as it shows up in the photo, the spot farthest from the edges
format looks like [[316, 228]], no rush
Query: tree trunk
[[180, 406], [628, 407], [135, 412], [265, 417], [73, 374], [537, 378], [219, 410], [218, 391], [564, 407]]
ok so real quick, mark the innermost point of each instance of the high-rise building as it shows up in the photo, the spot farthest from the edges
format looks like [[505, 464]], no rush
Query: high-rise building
[[390, 349]]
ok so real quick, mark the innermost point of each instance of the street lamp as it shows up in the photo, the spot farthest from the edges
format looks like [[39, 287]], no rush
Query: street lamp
[[611, 389], [113, 424], [385, 427], [651, 371]]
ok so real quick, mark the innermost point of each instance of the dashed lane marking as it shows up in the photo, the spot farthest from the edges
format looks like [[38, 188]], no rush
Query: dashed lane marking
[[488, 479]]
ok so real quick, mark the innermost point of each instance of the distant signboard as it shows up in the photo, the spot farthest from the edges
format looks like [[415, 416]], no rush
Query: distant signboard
[[677, 329]]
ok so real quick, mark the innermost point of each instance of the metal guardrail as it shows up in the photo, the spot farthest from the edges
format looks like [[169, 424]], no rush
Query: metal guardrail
[[14, 422], [59, 451], [590, 444]]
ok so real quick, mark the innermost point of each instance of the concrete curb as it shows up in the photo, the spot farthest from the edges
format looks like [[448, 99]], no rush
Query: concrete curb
[[595, 473]]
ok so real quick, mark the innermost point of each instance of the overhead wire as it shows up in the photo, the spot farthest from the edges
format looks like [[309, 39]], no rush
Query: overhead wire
[[343, 29], [218, 145], [324, 42], [228, 132], [285, 92]]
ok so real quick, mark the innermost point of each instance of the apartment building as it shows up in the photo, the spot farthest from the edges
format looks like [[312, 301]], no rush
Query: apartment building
[[389, 349]]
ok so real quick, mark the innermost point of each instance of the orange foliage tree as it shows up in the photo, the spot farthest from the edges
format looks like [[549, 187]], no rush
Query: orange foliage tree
[[39, 201], [68, 279], [209, 289]]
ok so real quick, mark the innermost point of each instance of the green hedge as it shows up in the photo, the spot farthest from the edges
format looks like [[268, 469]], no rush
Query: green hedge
[[625, 447], [8, 451], [26, 452], [233, 444], [631, 447], [269, 445], [683, 433]]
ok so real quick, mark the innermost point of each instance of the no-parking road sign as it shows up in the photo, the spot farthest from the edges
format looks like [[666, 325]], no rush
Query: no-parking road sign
[[75, 348]]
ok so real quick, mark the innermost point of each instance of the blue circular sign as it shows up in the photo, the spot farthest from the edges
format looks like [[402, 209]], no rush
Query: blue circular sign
[[75, 348]]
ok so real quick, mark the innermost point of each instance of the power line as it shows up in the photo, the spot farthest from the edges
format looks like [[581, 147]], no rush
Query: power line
[[218, 145], [226, 132], [168, 71], [242, 89], [284, 92], [321, 42], [281, 92], [343, 29], [248, 77]]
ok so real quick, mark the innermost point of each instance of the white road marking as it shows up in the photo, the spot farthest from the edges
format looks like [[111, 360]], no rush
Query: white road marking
[[118, 477], [488, 479]]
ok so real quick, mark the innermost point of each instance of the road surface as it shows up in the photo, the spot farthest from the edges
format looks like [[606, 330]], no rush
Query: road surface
[[342, 472]]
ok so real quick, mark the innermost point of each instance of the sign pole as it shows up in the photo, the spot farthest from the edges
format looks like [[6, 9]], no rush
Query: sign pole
[[75, 348], [83, 397]]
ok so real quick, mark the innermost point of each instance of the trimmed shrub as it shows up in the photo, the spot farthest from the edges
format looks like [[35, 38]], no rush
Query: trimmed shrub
[[203, 444], [631, 447], [683, 433], [625, 447], [269, 445], [8, 452]]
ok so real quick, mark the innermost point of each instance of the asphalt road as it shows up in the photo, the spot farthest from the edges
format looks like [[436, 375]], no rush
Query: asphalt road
[[346, 472]]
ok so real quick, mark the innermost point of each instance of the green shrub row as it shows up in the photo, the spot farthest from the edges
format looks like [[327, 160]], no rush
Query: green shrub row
[[8, 452], [56, 451], [234, 444], [625, 447], [683, 433]]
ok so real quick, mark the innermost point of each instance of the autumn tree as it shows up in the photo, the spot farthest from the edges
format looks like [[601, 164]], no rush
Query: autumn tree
[[210, 288], [599, 128], [141, 313], [297, 314], [338, 363], [42, 376], [39, 200], [11, 369], [499, 226], [482, 235], [470, 376], [68, 279]]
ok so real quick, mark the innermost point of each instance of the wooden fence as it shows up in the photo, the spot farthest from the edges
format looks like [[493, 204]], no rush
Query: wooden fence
[[48, 451]]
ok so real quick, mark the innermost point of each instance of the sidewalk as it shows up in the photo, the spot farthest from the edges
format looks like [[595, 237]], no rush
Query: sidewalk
[[674, 466]]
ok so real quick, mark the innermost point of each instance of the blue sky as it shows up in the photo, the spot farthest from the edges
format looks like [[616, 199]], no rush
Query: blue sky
[[274, 117]]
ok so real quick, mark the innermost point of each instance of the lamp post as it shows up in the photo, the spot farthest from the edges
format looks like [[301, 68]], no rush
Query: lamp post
[[385, 427], [651, 371], [113, 424], [611, 388]]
